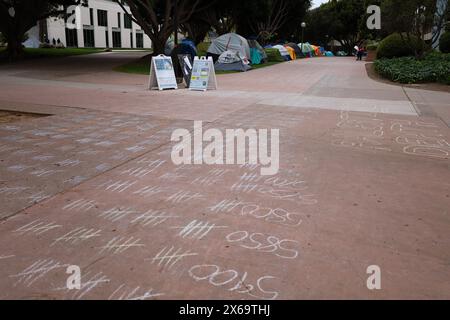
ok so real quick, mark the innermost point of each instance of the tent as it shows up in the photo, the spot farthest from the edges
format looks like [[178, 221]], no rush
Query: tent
[[298, 51], [317, 52], [257, 53], [229, 41], [283, 51], [307, 49], [168, 48], [187, 47], [291, 52], [232, 61]]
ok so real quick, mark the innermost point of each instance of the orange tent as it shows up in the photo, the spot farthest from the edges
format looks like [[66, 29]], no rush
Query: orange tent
[[316, 50], [291, 52]]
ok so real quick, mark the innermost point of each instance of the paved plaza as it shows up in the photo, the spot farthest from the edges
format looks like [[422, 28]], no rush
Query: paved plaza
[[364, 180]]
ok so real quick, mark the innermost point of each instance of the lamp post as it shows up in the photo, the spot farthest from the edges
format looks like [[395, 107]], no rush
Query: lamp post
[[175, 24], [303, 25]]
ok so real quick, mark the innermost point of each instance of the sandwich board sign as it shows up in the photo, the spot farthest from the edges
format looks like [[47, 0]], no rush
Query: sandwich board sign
[[186, 67], [203, 75], [162, 74]]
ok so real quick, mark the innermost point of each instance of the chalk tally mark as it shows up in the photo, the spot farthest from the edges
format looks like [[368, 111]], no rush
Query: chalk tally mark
[[36, 271], [120, 244], [122, 293], [36, 227], [117, 213], [116, 186], [183, 196], [80, 205], [197, 229], [77, 235], [169, 257], [153, 218]]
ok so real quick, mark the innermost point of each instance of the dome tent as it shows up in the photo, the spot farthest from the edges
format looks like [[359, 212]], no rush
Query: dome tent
[[317, 51], [298, 51], [257, 53], [231, 61], [283, 51], [230, 41], [291, 52], [187, 47], [169, 46], [307, 49]]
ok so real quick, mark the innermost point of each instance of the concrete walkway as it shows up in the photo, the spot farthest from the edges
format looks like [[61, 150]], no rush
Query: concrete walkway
[[364, 180]]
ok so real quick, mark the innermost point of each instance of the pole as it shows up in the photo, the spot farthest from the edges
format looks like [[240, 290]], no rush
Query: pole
[[303, 31], [175, 23]]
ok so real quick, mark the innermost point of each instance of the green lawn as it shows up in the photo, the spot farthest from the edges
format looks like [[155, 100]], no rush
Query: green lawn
[[142, 66], [31, 53]]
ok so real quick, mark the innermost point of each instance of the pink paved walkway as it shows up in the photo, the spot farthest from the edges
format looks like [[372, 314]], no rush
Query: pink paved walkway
[[363, 180]]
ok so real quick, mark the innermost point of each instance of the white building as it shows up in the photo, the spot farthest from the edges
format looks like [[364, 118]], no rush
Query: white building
[[102, 24]]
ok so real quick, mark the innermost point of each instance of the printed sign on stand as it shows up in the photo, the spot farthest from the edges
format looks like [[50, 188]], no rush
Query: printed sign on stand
[[203, 75], [162, 74]]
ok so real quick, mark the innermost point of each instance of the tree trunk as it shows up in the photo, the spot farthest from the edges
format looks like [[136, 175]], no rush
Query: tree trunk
[[158, 46], [15, 49], [159, 42]]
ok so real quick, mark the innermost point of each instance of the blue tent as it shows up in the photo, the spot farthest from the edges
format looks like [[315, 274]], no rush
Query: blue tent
[[255, 56], [187, 47]]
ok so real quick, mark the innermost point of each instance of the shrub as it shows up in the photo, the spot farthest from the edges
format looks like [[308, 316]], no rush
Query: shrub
[[394, 46], [435, 67], [372, 47], [274, 55], [202, 48], [444, 43]]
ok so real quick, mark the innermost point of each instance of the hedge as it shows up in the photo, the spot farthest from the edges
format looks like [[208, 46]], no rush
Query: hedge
[[394, 46], [435, 67], [444, 43]]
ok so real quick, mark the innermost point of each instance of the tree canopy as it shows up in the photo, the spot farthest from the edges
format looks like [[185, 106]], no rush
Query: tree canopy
[[270, 21], [18, 16]]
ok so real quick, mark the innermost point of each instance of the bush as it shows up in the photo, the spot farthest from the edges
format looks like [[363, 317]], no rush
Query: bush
[[394, 46], [435, 67], [274, 55], [444, 43], [202, 48], [372, 47]]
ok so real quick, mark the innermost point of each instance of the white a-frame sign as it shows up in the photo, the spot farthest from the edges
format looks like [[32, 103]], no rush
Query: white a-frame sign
[[203, 75], [162, 74]]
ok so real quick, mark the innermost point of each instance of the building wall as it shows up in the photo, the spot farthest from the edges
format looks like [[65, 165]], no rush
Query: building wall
[[57, 30]]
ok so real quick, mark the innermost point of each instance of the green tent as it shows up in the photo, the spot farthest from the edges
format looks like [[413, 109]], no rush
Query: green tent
[[307, 49]]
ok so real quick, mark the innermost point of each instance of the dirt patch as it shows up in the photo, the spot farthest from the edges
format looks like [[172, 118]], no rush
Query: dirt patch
[[370, 68], [14, 116]]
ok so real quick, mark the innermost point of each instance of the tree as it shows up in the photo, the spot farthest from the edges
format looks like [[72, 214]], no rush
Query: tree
[[412, 19], [338, 20], [270, 19], [18, 16], [291, 30], [220, 18], [159, 18]]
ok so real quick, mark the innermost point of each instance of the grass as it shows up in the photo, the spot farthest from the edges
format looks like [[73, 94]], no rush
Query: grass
[[33, 53], [142, 66]]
